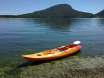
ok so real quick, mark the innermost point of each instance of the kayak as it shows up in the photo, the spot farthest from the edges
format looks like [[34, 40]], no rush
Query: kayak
[[53, 54]]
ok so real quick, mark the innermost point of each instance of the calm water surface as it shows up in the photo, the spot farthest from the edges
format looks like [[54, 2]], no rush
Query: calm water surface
[[18, 35]]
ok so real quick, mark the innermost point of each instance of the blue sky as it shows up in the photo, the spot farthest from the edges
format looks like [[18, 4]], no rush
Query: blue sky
[[9, 7]]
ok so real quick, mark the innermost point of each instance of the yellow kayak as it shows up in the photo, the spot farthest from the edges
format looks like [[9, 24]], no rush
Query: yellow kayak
[[53, 54]]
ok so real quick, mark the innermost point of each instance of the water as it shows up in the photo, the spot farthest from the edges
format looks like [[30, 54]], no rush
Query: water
[[19, 35]]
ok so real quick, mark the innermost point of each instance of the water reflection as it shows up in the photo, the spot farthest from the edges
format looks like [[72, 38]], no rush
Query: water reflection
[[60, 24], [101, 21]]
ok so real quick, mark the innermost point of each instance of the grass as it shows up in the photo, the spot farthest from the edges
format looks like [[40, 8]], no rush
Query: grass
[[71, 67]]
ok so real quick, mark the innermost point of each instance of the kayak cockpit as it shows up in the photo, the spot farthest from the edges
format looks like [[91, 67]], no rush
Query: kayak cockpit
[[63, 48]]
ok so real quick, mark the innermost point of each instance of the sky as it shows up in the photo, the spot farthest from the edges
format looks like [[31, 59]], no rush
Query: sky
[[16, 7]]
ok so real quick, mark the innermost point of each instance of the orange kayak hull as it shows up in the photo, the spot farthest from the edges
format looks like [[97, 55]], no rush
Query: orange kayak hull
[[53, 54]]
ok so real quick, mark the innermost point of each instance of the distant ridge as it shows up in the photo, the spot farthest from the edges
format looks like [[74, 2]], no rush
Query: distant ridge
[[59, 10], [100, 14]]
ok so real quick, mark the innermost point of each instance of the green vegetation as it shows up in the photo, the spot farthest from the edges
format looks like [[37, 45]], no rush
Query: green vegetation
[[71, 67]]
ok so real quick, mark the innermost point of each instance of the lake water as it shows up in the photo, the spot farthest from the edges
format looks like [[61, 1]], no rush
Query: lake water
[[19, 35]]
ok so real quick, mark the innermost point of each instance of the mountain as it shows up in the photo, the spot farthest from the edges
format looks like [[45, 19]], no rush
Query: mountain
[[59, 10], [100, 14]]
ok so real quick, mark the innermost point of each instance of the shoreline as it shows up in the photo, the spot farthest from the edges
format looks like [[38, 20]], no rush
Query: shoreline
[[71, 67]]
